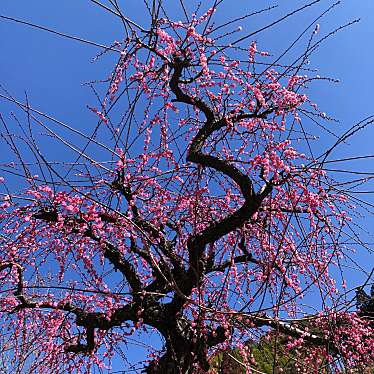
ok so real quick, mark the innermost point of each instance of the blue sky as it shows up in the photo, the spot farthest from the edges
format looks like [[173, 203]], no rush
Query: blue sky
[[52, 69]]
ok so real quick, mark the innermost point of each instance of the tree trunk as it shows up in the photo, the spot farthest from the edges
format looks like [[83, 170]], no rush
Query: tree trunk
[[185, 353]]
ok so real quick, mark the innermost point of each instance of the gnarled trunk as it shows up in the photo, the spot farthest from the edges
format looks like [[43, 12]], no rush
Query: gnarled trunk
[[186, 352]]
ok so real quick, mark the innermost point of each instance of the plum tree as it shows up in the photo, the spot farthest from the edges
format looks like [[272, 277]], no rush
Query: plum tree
[[209, 223]]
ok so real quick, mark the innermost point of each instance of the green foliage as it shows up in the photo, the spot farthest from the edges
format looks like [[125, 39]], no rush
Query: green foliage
[[269, 355], [227, 362], [272, 354]]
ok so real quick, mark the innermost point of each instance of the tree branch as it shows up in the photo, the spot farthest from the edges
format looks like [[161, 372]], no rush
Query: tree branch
[[111, 252], [196, 243]]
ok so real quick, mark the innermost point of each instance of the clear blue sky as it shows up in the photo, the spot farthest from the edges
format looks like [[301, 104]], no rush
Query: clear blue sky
[[52, 69]]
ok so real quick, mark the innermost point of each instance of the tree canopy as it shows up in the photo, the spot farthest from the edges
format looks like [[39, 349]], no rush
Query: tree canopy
[[194, 213]]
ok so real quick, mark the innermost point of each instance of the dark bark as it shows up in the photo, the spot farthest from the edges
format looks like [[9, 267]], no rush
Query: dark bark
[[185, 350]]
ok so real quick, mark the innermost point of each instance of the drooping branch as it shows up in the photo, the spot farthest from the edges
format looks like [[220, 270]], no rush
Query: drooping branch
[[111, 252], [164, 275], [89, 320], [288, 329], [165, 245]]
